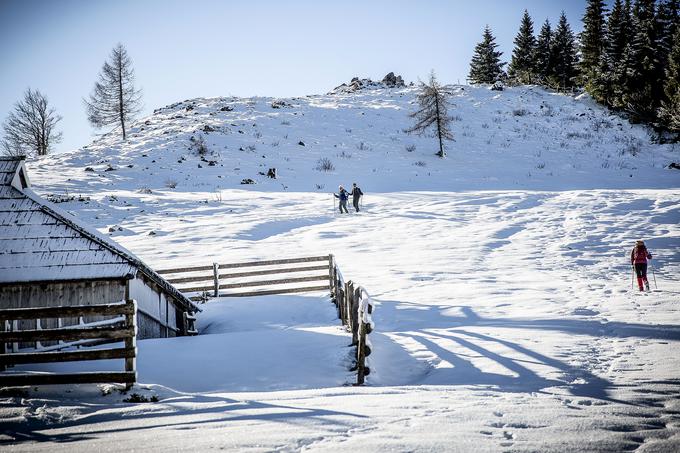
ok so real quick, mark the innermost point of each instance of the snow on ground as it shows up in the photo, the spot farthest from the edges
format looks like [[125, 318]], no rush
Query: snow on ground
[[505, 318]]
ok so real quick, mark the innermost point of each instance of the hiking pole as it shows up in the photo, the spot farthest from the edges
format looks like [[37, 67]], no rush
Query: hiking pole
[[632, 277], [653, 275]]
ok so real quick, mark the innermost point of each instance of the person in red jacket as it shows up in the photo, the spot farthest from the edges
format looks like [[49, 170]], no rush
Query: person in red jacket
[[638, 259]]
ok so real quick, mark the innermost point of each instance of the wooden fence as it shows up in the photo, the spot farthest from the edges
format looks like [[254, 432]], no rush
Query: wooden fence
[[210, 281], [355, 308], [122, 328], [352, 301]]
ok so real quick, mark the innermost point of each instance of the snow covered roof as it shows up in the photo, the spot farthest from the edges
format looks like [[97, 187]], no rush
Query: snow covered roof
[[40, 242]]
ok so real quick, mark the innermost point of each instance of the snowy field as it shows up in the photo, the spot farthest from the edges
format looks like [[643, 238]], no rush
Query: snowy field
[[505, 319]]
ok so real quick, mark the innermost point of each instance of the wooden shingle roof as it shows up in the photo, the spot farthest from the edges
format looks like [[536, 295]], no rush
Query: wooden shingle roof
[[41, 243]]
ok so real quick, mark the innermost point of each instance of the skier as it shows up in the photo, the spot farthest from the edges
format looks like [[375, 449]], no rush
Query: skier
[[342, 196], [638, 259], [356, 196]]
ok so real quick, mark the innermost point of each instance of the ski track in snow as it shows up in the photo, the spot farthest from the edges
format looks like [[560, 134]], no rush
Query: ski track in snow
[[505, 319]]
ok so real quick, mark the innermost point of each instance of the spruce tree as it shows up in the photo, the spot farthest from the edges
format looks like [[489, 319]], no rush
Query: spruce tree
[[486, 66], [523, 64], [669, 114], [603, 84], [619, 55], [668, 19], [542, 57], [563, 56], [592, 41], [644, 79]]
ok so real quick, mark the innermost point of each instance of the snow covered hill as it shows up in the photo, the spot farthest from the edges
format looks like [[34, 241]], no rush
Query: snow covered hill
[[505, 318]]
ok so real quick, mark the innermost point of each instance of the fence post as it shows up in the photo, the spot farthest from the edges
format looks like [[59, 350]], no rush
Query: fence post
[[216, 277], [361, 352], [3, 349], [332, 278], [131, 342]]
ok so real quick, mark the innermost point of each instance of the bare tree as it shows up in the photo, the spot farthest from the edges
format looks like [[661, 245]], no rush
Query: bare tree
[[29, 128], [114, 99], [434, 104]]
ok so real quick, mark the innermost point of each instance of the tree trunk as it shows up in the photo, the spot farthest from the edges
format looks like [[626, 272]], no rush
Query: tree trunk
[[439, 129], [120, 94]]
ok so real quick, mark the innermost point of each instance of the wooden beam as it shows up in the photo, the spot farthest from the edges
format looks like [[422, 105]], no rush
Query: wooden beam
[[277, 291], [70, 356], [68, 333], [66, 311], [200, 278], [282, 281], [178, 270], [23, 379], [273, 262], [274, 271]]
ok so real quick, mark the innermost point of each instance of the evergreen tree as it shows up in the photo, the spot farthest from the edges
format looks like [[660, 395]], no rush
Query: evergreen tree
[[433, 99], [114, 98], [486, 66], [668, 19], [543, 55], [644, 79], [619, 55], [592, 41], [669, 114], [523, 64], [604, 86], [563, 56]]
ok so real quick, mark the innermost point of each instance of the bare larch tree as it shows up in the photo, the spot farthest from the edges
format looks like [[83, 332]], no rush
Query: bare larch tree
[[433, 99], [30, 128], [114, 99]]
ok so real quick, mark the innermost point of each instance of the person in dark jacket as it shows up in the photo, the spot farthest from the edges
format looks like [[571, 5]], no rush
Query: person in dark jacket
[[342, 196], [638, 259], [356, 196]]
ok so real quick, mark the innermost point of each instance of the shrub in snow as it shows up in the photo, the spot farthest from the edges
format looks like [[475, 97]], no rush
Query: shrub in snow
[[198, 146], [324, 164], [410, 148], [361, 146], [285, 123], [144, 190], [170, 183], [419, 163], [520, 112], [247, 181], [227, 108]]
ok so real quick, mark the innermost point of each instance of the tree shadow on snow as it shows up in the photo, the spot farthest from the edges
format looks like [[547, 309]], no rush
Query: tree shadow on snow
[[171, 413], [450, 354]]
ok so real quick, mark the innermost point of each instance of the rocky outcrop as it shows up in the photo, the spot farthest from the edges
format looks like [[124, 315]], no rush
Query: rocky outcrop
[[356, 84]]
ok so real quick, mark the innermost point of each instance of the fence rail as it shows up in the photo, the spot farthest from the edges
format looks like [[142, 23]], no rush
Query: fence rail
[[211, 284], [123, 329]]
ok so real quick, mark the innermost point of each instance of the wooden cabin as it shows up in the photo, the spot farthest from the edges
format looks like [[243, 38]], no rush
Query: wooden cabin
[[49, 258]]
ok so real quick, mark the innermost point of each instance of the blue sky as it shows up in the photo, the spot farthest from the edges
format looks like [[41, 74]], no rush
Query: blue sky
[[204, 48]]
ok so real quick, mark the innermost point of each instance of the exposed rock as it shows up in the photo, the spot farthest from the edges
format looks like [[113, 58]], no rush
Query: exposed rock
[[271, 173], [301, 143], [208, 128], [227, 108], [674, 165], [393, 81], [389, 81], [247, 181]]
